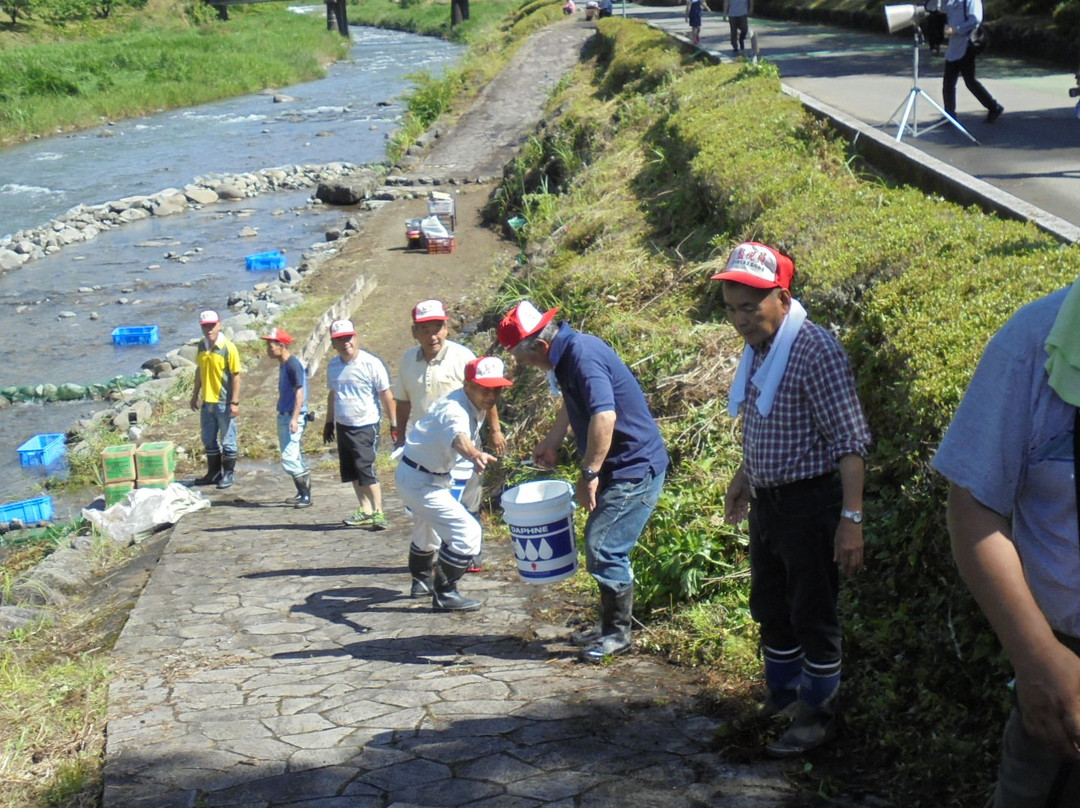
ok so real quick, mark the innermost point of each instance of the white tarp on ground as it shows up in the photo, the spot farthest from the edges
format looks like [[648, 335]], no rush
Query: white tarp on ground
[[144, 511]]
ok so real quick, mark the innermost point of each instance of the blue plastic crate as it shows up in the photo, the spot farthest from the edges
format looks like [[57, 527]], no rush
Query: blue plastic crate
[[135, 335], [42, 450], [265, 260], [28, 511]]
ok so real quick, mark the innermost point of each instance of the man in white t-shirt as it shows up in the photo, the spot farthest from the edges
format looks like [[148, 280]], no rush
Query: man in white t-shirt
[[450, 431], [428, 372], [359, 393]]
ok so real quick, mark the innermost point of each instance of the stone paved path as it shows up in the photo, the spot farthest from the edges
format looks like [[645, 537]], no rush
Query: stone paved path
[[275, 659]]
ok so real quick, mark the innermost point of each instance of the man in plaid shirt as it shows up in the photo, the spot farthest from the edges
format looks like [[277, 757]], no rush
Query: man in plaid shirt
[[804, 441]]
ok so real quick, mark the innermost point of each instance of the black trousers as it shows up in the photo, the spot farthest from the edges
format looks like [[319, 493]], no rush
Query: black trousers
[[794, 581], [965, 67]]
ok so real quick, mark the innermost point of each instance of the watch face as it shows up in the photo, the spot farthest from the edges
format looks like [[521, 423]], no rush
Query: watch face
[[854, 516]]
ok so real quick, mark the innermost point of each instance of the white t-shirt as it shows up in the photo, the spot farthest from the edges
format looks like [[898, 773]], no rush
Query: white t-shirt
[[430, 442], [356, 387]]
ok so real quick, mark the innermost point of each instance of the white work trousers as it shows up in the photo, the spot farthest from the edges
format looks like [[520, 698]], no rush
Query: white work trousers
[[438, 518]]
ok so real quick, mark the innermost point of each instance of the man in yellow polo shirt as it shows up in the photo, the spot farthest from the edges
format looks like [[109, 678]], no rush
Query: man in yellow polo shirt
[[217, 379]]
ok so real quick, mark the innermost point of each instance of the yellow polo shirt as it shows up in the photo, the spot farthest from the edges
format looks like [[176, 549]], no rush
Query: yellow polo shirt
[[216, 366], [422, 383]]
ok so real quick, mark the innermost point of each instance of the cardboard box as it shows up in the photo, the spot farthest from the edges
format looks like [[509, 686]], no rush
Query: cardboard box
[[155, 482], [118, 463], [155, 460], [115, 492]]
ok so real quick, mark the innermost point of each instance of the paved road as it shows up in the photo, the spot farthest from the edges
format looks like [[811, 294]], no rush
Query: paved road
[[1032, 152]]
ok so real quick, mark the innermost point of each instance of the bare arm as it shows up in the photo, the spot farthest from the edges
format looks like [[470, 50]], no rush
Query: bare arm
[[298, 404], [597, 446], [386, 399], [848, 544], [470, 451], [546, 452], [495, 433], [404, 410], [328, 427], [1047, 673], [737, 498]]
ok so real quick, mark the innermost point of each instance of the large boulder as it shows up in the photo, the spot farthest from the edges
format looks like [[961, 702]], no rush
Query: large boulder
[[348, 190]]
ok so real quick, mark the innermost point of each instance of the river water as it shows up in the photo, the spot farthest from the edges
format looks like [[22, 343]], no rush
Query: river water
[[344, 117]]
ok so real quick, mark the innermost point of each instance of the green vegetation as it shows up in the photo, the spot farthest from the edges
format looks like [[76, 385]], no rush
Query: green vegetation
[[650, 167], [142, 64]]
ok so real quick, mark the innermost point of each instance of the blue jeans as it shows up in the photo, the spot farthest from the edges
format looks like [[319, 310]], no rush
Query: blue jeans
[[292, 460], [622, 509], [215, 422]]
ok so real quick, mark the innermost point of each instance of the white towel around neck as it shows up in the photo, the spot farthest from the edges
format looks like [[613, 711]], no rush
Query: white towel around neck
[[768, 376]]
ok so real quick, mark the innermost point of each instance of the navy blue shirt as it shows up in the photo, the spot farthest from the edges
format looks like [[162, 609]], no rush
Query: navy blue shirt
[[592, 379], [291, 376]]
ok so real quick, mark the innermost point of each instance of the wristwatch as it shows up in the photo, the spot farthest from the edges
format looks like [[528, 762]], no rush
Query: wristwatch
[[854, 516], [588, 475]]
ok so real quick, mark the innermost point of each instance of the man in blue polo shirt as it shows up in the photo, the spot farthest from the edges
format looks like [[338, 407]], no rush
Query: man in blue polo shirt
[[623, 458]]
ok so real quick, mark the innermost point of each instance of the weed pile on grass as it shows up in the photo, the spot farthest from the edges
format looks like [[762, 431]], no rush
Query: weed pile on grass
[[649, 168]]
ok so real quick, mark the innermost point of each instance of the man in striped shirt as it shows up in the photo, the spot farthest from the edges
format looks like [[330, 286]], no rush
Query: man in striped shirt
[[804, 441]]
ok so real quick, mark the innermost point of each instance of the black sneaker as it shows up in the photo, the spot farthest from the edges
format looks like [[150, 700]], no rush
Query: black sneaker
[[995, 113]]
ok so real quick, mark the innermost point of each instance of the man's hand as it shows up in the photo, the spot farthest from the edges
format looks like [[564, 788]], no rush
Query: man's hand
[[545, 455], [737, 499], [328, 431], [586, 493], [481, 461], [1048, 692], [294, 425], [498, 441], [194, 403], [848, 547]]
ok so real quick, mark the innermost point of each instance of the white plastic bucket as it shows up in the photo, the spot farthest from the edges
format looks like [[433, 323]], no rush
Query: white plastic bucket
[[458, 478], [541, 519]]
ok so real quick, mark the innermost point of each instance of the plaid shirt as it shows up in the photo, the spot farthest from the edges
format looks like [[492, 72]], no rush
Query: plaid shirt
[[816, 417]]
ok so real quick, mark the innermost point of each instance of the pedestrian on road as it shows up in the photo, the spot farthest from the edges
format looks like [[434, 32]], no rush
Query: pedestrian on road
[[738, 16], [291, 413], [428, 372], [1012, 515], [449, 431], [693, 17], [804, 440], [623, 458], [359, 394], [963, 17], [217, 381]]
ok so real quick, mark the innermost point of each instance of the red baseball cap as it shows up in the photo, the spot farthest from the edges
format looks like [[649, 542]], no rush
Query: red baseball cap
[[279, 335], [209, 317], [427, 310], [341, 328], [487, 371], [523, 321], [758, 265]]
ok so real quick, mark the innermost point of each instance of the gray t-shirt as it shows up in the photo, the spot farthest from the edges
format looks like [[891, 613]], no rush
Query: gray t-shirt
[[738, 8], [1010, 445]]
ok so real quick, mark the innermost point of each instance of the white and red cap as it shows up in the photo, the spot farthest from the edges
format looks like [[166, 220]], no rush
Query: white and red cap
[[427, 310], [209, 317], [279, 335], [341, 328], [758, 265], [487, 371], [523, 321]]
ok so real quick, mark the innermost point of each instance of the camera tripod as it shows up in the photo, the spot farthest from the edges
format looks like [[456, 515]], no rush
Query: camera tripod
[[910, 105]]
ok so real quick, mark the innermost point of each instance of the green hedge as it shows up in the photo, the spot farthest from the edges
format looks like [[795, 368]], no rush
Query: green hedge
[[673, 162]]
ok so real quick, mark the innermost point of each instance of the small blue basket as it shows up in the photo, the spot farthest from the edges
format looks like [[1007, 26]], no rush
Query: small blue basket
[[28, 511], [265, 260], [42, 450], [135, 335]]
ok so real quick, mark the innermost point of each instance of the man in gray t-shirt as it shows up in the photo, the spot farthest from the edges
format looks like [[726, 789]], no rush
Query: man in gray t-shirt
[[738, 13], [1008, 455]]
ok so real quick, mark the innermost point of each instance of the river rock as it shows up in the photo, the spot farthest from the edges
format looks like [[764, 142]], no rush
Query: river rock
[[11, 260], [347, 190], [200, 196], [230, 191], [248, 232], [133, 215], [188, 352], [13, 618], [169, 205]]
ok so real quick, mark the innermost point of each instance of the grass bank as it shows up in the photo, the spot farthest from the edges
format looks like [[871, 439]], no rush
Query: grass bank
[[651, 165], [147, 65]]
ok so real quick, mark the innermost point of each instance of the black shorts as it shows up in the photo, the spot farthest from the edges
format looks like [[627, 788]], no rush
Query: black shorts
[[356, 447]]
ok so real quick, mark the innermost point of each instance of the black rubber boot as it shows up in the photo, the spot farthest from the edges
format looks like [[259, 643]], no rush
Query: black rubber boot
[[213, 470], [228, 465], [445, 597], [421, 567], [616, 611], [303, 490]]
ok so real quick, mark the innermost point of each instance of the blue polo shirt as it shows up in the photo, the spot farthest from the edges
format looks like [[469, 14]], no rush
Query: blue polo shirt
[[291, 377], [592, 379]]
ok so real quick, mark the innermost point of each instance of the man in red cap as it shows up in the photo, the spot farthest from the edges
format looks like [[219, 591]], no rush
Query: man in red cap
[[441, 524], [358, 395], [217, 382], [623, 458], [804, 441], [426, 373], [291, 413]]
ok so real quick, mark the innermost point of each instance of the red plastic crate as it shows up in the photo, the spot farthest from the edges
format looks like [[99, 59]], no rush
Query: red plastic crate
[[440, 244]]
